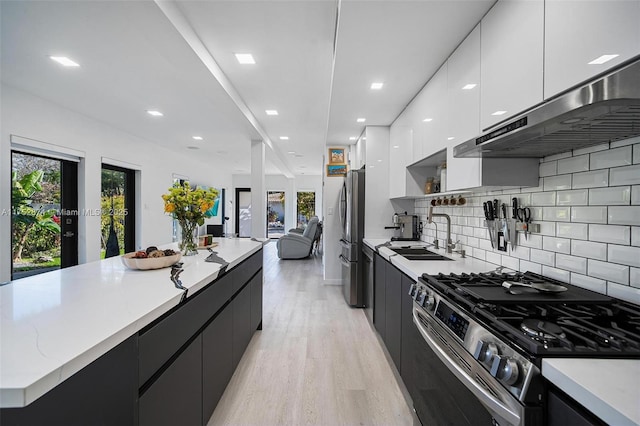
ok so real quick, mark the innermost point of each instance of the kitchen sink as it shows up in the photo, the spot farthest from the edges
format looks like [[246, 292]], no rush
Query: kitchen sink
[[418, 253]]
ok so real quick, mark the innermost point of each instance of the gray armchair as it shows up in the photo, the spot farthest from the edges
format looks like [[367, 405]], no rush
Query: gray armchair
[[297, 246]]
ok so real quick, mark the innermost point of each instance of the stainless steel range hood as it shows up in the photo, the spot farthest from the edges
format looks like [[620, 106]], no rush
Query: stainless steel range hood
[[603, 110]]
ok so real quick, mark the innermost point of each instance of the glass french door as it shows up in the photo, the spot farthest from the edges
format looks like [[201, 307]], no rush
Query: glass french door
[[275, 214], [117, 207], [44, 214], [306, 207], [243, 212]]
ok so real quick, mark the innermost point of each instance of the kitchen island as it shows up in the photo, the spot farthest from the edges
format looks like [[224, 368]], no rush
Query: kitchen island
[[64, 327]]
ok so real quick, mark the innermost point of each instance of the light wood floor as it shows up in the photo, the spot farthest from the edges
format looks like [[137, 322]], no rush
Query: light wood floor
[[316, 361]]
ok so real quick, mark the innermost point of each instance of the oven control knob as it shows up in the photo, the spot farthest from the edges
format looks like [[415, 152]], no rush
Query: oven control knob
[[486, 352], [430, 302], [412, 290], [505, 369]]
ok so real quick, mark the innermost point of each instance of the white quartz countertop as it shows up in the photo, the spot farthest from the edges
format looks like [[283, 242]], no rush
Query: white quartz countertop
[[56, 323], [609, 388], [415, 268]]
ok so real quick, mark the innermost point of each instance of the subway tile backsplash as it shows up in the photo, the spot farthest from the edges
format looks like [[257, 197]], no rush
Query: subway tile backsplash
[[587, 204]]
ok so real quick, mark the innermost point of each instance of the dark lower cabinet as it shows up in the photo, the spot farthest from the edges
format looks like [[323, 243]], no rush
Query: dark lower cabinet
[[256, 302], [393, 329], [242, 331], [379, 318], [217, 361], [175, 398], [103, 393], [410, 335]]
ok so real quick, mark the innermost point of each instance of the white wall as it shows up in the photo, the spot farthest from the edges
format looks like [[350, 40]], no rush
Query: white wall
[[588, 207], [32, 117]]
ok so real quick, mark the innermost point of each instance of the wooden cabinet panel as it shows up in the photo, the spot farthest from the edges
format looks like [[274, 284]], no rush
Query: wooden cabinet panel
[[103, 393], [393, 328], [159, 342], [175, 398], [379, 316], [256, 302], [511, 59], [217, 361], [409, 334], [242, 331], [578, 32]]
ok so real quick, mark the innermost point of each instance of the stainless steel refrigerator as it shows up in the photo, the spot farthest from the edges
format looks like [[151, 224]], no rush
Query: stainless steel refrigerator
[[352, 220]]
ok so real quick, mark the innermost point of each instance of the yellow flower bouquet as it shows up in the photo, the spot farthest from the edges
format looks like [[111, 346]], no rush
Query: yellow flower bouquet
[[189, 206]]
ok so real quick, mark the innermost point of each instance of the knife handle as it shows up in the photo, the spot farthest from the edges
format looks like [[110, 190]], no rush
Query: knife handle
[[504, 210], [514, 206], [496, 212], [486, 210]]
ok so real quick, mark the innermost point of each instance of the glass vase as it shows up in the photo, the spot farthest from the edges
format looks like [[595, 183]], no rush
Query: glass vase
[[189, 245]]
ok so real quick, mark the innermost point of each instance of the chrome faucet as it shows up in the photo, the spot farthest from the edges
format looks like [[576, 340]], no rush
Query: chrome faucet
[[430, 217]]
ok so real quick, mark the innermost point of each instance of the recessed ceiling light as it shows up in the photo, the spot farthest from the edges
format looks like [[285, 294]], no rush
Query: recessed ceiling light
[[572, 120], [379, 161], [284, 138], [396, 146], [602, 59], [271, 111], [426, 120], [63, 60], [245, 58], [197, 138], [469, 86], [353, 138], [364, 138], [154, 113], [298, 155], [450, 138], [361, 120], [371, 167], [376, 86], [291, 152], [193, 147], [499, 113]]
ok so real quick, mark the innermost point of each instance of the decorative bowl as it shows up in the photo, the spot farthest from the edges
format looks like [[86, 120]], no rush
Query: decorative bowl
[[149, 263]]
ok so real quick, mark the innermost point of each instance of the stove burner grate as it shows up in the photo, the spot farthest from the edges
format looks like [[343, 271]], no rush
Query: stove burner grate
[[542, 330]]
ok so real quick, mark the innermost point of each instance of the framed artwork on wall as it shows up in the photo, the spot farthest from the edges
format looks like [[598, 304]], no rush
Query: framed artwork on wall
[[336, 169], [336, 156]]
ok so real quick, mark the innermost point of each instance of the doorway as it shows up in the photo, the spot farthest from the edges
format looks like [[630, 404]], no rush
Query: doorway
[[243, 212], [117, 211], [44, 214], [275, 214]]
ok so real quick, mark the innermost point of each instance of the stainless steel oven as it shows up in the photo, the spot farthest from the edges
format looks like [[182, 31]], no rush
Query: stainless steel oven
[[450, 385]]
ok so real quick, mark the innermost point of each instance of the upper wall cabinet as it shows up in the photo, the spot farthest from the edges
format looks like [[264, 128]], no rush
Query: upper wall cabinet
[[400, 156], [511, 59], [432, 110], [463, 91], [580, 35]]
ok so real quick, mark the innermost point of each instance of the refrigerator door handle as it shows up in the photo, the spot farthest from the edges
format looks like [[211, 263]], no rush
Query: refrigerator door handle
[[344, 261]]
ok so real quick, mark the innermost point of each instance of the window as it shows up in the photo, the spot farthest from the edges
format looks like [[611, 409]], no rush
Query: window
[[306, 207], [44, 214], [117, 211]]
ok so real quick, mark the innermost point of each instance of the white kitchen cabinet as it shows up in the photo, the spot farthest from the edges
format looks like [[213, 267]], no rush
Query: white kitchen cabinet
[[400, 156], [511, 59], [464, 124], [432, 106], [464, 111], [580, 31]]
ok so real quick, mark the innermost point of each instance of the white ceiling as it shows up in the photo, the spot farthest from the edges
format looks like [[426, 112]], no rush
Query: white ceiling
[[133, 58]]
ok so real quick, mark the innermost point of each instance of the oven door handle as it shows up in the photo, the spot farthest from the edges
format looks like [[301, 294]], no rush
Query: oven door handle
[[483, 396]]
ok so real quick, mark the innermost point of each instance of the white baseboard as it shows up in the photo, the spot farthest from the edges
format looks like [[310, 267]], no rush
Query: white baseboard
[[335, 281]]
